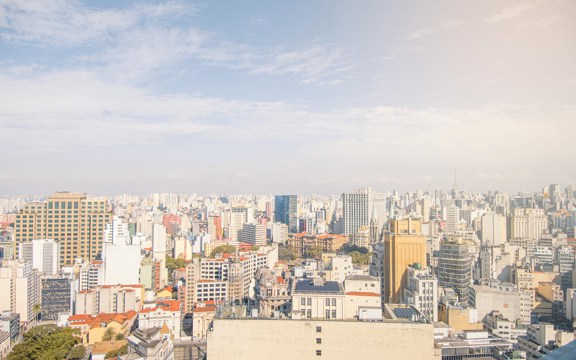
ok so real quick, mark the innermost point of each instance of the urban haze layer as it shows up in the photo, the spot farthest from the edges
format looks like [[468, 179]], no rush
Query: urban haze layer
[[418, 275]]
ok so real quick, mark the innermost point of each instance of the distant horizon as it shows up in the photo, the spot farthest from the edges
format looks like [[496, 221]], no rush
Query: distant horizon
[[205, 194]]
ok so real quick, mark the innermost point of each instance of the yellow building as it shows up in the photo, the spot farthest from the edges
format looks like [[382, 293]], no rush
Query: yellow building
[[75, 222], [93, 328], [404, 245]]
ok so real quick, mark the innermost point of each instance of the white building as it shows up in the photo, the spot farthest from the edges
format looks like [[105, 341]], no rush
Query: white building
[[121, 257], [166, 312], [20, 292], [279, 233], [493, 229], [91, 275], [358, 208], [504, 297], [422, 291], [44, 255], [527, 223]]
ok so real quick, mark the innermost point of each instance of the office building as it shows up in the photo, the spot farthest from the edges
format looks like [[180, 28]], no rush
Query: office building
[[404, 245], [43, 254], [238, 217], [360, 207], [75, 222], [56, 297], [19, 284], [121, 256], [527, 223], [286, 211], [254, 234], [455, 266], [493, 229]]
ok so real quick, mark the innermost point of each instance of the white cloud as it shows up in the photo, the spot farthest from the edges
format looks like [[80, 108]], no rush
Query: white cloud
[[450, 24], [420, 33], [511, 12], [69, 23]]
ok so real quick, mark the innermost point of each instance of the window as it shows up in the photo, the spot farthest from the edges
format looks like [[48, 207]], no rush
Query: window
[[318, 329], [327, 314], [309, 301], [318, 341], [333, 314], [318, 352], [327, 301], [333, 301]]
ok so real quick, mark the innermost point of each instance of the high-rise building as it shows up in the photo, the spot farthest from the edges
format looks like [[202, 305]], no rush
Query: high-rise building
[[238, 217], [455, 266], [121, 257], [493, 229], [360, 206], [56, 297], [452, 219], [404, 245], [254, 234], [527, 223], [42, 253], [19, 284], [74, 221], [286, 211]]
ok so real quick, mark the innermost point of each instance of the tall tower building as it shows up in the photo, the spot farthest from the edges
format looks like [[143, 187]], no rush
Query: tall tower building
[[19, 284], [360, 206], [72, 220], [286, 211], [43, 254], [455, 266], [238, 217], [493, 229], [404, 245]]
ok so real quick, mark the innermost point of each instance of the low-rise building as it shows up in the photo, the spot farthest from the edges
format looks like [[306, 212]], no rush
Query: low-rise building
[[317, 299], [272, 294], [10, 322], [498, 325], [541, 339], [479, 343], [93, 328], [165, 312]]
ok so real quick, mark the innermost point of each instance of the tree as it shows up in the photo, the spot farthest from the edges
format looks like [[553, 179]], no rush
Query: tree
[[287, 253], [36, 308], [223, 249], [46, 342], [76, 353], [360, 259], [313, 252], [109, 334], [173, 264], [120, 337], [348, 248]]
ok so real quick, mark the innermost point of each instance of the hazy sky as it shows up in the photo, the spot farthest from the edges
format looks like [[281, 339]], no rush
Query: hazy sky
[[292, 96]]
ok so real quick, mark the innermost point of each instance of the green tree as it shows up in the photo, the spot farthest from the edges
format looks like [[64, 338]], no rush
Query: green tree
[[313, 252], [348, 248], [36, 308], [223, 249], [76, 353], [120, 337], [173, 264], [46, 342], [109, 334], [359, 258], [287, 253]]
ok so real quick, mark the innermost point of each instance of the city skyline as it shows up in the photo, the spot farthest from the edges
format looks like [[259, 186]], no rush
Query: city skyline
[[320, 97]]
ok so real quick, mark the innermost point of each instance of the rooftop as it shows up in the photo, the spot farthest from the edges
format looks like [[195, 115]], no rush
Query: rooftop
[[307, 286]]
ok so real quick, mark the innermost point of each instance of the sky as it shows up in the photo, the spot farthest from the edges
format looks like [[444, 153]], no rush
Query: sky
[[299, 96]]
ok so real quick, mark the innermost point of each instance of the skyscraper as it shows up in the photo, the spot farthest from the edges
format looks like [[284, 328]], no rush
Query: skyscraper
[[43, 254], [72, 220], [360, 206], [455, 266], [286, 211], [404, 245]]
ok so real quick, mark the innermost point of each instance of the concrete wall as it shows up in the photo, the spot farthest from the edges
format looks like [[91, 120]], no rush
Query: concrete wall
[[297, 339]]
